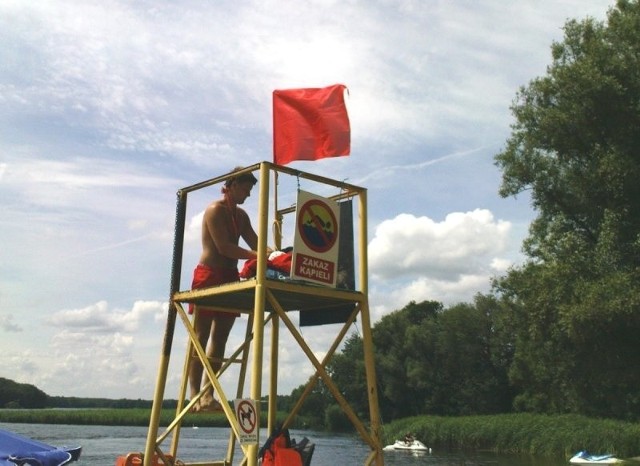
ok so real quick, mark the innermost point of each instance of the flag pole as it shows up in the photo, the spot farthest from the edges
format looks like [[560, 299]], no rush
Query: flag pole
[[277, 220]]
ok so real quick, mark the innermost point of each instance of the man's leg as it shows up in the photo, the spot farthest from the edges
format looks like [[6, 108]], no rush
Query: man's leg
[[202, 328], [220, 331]]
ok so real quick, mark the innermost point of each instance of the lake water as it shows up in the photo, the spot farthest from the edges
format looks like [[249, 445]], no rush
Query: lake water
[[101, 445]]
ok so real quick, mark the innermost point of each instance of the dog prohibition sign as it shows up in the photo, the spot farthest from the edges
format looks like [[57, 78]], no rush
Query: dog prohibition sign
[[247, 417]]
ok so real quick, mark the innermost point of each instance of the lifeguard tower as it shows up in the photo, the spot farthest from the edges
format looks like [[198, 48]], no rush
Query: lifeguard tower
[[266, 301]]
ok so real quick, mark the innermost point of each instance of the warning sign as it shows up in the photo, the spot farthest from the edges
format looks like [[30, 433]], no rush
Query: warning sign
[[247, 417], [315, 245]]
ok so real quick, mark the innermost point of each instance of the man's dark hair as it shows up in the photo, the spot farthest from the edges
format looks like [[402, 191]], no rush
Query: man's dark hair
[[243, 178]]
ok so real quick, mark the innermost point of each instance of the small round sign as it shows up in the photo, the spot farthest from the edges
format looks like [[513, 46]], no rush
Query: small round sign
[[246, 414]]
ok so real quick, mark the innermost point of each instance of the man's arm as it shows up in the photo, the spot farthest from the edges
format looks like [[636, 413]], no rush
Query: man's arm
[[249, 235], [247, 232]]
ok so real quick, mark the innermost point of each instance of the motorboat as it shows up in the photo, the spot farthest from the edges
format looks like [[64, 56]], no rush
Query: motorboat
[[582, 457], [413, 445]]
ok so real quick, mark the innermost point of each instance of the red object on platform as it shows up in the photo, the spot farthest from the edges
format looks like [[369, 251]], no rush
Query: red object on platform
[[136, 459]]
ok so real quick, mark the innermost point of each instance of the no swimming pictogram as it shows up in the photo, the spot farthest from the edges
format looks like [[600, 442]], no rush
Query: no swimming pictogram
[[317, 226]]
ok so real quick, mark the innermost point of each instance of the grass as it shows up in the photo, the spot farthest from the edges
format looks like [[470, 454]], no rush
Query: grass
[[106, 417]]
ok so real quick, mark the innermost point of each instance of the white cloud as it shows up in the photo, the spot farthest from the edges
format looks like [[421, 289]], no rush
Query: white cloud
[[108, 347], [462, 243], [99, 318], [193, 229], [416, 258]]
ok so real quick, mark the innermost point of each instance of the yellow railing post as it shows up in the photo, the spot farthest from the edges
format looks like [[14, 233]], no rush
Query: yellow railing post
[[161, 380], [259, 300], [367, 338]]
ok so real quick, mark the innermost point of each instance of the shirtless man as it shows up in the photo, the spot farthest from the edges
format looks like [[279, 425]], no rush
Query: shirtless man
[[223, 224]]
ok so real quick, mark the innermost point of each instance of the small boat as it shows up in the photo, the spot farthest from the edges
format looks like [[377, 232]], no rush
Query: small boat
[[414, 445], [582, 457]]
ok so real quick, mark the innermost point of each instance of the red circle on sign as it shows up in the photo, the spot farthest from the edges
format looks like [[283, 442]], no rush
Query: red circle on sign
[[317, 226], [249, 416]]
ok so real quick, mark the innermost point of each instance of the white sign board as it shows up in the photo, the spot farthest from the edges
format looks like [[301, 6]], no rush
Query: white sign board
[[316, 240], [248, 420]]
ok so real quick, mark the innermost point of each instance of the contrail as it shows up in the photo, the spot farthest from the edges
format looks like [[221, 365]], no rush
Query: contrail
[[112, 246], [383, 172]]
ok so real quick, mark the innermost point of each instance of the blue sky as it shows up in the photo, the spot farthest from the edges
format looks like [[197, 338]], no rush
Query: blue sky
[[107, 108]]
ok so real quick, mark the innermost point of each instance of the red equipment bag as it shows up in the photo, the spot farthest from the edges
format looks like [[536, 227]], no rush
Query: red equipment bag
[[277, 451]]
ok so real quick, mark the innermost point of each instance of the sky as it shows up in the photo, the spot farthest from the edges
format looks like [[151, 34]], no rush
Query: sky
[[108, 108]]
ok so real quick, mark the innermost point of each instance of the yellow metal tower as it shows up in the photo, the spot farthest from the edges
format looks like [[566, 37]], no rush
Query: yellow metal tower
[[265, 301]]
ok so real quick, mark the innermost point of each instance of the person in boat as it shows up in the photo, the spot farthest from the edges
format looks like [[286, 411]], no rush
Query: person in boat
[[408, 438], [223, 224]]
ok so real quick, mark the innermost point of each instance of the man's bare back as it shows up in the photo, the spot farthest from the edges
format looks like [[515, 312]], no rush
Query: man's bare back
[[223, 224]]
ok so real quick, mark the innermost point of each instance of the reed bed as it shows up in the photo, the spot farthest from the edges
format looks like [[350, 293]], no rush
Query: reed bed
[[534, 434], [106, 417]]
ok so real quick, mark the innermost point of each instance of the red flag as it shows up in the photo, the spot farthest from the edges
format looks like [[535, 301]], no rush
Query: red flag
[[310, 124]]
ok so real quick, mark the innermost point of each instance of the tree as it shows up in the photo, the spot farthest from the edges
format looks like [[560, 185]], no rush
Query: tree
[[575, 146], [348, 370], [21, 395], [313, 410], [452, 368], [400, 356]]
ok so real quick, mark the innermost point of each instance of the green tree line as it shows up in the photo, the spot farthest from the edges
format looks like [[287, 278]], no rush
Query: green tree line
[[14, 395], [429, 361]]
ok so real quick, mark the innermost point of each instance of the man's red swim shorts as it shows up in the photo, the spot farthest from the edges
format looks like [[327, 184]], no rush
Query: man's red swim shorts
[[205, 276]]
